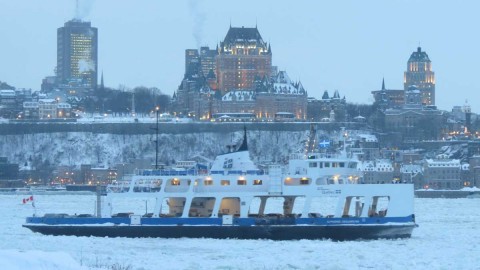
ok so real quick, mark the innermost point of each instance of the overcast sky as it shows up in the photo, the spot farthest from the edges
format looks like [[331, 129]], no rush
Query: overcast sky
[[345, 45]]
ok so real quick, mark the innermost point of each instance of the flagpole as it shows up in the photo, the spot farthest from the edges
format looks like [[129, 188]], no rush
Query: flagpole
[[34, 209]]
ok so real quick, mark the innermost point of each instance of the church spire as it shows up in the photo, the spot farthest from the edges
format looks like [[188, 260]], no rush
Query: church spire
[[383, 83], [102, 86], [244, 146]]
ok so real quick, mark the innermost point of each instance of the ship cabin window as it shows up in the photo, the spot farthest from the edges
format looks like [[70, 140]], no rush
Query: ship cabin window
[[379, 206], [327, 164], [208, 182], [334, 164], [157, 183], [341, 164], [352, 165], [177, 185], [241, 182], [353, 206], [172, 207], [323, 206], [312, 164], [229, 206], [201, 207], [305, 181], [257, 182], [225, 182], [320, 165], [288, 181], [335, 180]]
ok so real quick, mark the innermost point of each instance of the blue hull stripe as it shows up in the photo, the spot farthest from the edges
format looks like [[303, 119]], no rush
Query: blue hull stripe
[[218, 221]]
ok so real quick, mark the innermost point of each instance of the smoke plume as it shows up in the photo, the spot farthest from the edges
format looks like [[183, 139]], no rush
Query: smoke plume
[[85, 65], [83, 8], [198, 20]]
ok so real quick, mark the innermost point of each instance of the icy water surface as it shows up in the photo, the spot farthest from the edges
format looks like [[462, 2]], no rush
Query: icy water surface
[[448, 238]]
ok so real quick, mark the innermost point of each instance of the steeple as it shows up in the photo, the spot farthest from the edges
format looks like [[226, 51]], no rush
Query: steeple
[[336, 95], [325, 95], [383, 84], [244, 146], [102, 86]]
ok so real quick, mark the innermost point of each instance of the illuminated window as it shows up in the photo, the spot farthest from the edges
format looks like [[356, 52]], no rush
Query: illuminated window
[[304, 181], [241, 182], [257, 182], [208, 182], [225, 182]]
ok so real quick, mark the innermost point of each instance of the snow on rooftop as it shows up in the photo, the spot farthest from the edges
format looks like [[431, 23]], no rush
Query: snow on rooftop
[[7, 93], [239, 95], [379, 165], [443, 162]]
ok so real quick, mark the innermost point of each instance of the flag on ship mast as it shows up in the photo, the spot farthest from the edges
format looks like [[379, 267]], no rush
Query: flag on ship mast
[[324, 144]]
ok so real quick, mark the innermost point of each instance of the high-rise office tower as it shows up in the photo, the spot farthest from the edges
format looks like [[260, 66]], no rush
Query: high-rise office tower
[[77, 54], [192, 62], [419, 73], [207, 60], [242, 56]]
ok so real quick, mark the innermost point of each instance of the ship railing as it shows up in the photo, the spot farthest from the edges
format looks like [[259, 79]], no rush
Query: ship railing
[[238, 172], [170, 172], [315, 155]]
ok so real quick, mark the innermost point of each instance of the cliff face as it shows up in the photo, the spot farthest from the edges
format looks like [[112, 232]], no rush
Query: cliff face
[[75, 148]]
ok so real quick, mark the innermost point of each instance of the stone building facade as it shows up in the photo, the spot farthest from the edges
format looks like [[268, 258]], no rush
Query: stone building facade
[[242, 56]]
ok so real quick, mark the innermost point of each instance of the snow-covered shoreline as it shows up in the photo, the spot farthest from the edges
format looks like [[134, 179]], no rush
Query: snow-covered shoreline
[[75, 148]]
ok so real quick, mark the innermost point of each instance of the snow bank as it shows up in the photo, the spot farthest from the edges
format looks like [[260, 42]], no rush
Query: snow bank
[[470, 189], [22, 260]]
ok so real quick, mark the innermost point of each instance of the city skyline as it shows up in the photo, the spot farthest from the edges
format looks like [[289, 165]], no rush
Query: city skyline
[[345, 46]]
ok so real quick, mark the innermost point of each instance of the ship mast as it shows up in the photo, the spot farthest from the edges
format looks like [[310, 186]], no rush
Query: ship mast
[[157, 112]]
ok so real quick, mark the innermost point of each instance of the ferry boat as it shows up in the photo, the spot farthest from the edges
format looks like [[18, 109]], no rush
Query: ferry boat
[[236, 199]]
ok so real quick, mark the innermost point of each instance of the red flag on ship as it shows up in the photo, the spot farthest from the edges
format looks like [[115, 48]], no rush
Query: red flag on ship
[[28, 199]]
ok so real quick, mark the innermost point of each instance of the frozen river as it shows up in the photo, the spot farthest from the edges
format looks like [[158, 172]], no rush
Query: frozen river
[[448, 238]]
